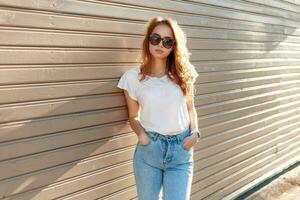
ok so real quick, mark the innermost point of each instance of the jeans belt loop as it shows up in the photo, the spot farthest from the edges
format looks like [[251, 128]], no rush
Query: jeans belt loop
[[177, 139]]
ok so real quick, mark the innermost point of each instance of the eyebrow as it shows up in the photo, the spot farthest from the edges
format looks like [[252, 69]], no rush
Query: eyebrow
[[165, 36]]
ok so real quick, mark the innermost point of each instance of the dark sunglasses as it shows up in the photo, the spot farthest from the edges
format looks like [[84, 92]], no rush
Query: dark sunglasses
[[155, 39]]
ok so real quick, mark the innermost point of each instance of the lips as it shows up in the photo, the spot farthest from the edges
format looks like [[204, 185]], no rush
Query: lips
[[159, 51]]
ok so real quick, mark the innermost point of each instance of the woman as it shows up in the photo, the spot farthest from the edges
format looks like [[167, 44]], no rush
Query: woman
[[159, 95]]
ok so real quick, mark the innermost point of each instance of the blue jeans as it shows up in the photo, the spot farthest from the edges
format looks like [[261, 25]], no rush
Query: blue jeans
[[163, 163]]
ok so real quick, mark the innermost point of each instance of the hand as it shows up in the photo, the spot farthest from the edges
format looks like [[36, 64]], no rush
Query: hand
[[189, 141], [143, 139]]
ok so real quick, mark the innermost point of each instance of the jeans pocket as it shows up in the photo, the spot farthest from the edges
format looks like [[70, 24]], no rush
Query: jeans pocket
[[188, 150], [149, 141], [144, 145], [183, 155]]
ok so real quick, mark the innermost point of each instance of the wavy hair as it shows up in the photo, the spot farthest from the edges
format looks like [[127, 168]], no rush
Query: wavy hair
[[179, 68]]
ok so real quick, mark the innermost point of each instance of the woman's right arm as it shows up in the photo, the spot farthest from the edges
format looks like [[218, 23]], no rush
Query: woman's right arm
[[133, 112]]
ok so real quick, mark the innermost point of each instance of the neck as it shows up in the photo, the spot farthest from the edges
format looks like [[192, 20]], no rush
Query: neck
[[159, 66]]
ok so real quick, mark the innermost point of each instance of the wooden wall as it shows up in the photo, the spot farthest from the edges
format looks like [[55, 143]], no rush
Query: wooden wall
[[64, 132]]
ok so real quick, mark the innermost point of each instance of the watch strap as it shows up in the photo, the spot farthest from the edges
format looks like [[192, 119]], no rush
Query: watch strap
[[198, 134]]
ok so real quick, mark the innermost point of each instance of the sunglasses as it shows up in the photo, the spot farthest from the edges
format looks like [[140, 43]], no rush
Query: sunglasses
[[155, 39]]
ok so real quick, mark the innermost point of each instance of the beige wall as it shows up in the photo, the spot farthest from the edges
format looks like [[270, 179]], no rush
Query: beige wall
[[64, 132]]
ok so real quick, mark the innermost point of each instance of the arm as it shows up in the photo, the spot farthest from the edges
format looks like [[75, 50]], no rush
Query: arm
[[193, 117], [193, 120], [193, 139], [134, 120], [133, 112], [192, 111]]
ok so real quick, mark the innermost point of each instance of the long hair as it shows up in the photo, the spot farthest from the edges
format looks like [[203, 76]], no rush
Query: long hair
[[179, 68]]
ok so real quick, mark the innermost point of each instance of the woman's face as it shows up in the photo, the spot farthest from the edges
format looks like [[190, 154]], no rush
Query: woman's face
[[159, 51]]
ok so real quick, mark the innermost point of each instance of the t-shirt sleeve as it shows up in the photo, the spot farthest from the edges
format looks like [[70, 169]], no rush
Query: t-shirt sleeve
[[129, 82]]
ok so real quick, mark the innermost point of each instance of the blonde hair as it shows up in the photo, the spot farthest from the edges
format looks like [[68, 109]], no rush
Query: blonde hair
[[179, 68]]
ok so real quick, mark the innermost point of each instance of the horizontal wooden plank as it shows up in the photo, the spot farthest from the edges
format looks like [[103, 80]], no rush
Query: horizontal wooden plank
[[247, 99], [207, 176], [58, 56], [64, 172], [56, 141], [24, 111], [227, 114], [208, 99], [63, 75], [110, 190], [254, 174], [15, 37], [80, 87], [210, 7], [227, 150], [130, 25], [205, 162], [240, 131], [284, 5], [128, 193], [16, 174], [67, 76], [246, 148], [87, 180], [290, 141], [292, 147], [59, 90], [224, 65], [70, 89], [235, 160], [94, 73], [91, 8], [292, 2], [250, 6], [50, 125], [69, 56], [205, 39], [229, 179]]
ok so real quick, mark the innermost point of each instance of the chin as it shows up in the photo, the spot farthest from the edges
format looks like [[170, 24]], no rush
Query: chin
[[159, 56]]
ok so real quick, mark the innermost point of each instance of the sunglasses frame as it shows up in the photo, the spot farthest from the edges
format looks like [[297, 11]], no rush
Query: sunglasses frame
[[162, 39]]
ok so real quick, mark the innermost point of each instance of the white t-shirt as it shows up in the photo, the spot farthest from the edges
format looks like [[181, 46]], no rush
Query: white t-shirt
[[163, 106]]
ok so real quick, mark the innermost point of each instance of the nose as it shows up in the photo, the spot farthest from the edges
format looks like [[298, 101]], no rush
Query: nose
[[161, 43]]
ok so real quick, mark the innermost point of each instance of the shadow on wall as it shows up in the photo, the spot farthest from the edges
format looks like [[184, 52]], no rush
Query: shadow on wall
[[64, 126], [61, 146]]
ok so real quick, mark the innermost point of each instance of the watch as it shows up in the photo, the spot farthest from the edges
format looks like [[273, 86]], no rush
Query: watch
[[198, 134]]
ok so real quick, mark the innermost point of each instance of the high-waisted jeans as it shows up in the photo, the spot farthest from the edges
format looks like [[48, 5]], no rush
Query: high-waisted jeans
[[163, 168]]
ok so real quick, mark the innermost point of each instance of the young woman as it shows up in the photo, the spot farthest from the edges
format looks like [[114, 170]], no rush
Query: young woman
[[159, 94]]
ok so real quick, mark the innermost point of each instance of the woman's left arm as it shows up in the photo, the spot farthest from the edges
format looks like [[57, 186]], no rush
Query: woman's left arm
[[193, 116], [192, 110], [191, 141]]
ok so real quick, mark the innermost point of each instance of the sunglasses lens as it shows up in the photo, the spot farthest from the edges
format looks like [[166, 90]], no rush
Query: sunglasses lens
[[168, 43], [154, 39]]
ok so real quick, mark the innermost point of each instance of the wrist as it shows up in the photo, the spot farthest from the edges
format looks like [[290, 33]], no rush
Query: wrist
[[141, 134], [196, 134]]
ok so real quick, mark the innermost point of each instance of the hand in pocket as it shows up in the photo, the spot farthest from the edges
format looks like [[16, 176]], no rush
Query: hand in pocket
[[143, 139]]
